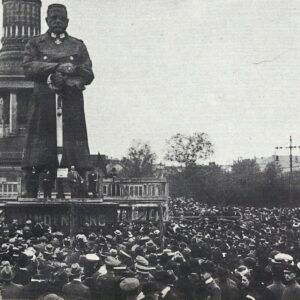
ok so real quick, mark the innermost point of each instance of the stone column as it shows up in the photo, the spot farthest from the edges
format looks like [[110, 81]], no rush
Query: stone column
[[13, 107]]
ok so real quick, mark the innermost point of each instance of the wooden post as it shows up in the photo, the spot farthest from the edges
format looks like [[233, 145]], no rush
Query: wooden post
[[161, 226]]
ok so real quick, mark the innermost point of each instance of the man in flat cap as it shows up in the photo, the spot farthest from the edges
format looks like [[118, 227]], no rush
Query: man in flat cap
[[58, 64], [107, 286]]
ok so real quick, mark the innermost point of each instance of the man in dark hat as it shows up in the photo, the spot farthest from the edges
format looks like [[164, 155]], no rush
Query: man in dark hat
[[130, 288], [59, 65], [76, 289], [9, 289], [165, 281], [39, 284], [292, 289]]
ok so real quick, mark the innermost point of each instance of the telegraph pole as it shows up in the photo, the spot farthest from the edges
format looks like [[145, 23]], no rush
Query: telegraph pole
[[290, 147]]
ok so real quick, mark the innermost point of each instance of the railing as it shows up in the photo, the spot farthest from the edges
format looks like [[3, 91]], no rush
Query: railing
[[9, 189]]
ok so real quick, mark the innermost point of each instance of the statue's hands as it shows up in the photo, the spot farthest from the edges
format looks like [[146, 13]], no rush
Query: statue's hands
[[57, 79], [66, 68], [75, 82]]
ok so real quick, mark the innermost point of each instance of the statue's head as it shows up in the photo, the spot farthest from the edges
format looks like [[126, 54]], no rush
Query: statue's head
[[57, 18]]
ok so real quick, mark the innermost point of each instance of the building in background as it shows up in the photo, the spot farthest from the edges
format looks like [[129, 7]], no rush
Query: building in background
[[21, 20], [283, 161]]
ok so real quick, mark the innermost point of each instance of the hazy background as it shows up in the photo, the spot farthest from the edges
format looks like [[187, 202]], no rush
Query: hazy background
[[226, 67]]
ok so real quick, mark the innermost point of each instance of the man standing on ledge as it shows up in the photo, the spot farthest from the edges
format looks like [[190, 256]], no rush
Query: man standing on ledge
[[58, 64]]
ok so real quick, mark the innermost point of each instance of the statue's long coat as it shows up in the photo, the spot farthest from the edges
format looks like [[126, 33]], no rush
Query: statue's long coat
[[41, 58]]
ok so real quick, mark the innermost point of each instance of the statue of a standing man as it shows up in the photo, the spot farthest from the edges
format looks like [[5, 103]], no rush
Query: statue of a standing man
[[58, 64]]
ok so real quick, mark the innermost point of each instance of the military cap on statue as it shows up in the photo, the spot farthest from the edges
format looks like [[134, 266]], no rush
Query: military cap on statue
[[56, 6]]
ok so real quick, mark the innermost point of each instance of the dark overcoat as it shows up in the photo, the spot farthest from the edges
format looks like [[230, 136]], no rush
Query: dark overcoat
[[42, 56], [76, 290]]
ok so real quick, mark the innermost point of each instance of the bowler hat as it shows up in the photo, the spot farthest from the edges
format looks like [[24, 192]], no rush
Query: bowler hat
[[76, 269]]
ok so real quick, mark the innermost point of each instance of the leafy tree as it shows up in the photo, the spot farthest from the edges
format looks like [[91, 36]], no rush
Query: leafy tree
[[139, 160], [189, 149], [274, 189], [246, 182], [205, 183]]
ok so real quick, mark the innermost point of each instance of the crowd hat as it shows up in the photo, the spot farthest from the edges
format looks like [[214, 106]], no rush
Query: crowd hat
[[112, 261], [5, 263], [29, 253], [52, 297], [140, 260], [109, 237], [60, 255], [92, 236], [242, 271], [145, 239], [58, 234], [118, 232], [6, 273], [92, 257], [143, 269], [284, 259], [4, 248], [81, 237], [49, 249], [129, 284], [113, 252], [75, 269]]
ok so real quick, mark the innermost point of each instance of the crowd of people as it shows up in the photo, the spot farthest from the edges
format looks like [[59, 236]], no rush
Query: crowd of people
[[223, 254]]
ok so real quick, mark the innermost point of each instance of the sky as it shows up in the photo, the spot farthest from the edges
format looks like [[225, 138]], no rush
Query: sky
[[225, 67]]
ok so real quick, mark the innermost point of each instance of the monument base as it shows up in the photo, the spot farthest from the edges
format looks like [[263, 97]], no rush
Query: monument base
[[68, 216]]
